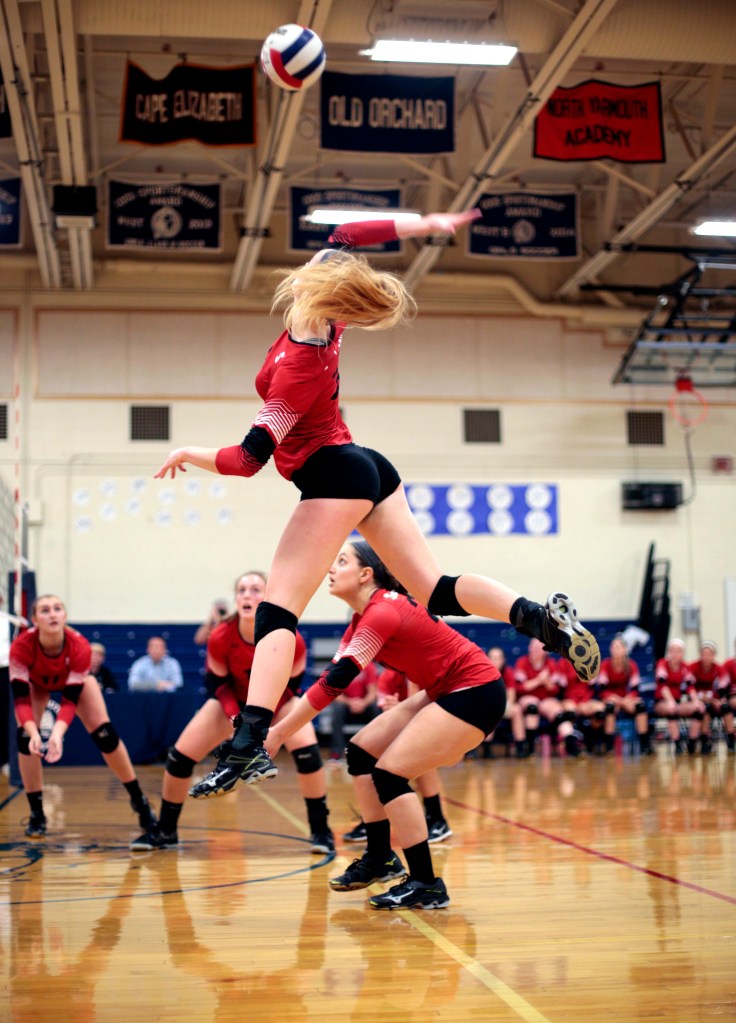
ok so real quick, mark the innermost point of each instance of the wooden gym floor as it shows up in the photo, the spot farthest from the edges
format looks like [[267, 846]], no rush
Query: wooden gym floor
[[601, 890]]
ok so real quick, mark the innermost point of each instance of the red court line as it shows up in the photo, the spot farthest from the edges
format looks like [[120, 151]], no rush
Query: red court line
[[594, 852]]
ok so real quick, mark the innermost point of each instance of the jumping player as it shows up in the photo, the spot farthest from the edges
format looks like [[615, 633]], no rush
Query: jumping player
[[344, 486], [51, 658], [230, 650], [461, 699]]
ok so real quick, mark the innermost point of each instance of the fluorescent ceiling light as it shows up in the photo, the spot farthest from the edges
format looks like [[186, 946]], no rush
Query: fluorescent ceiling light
[[724, 228], [335, 216], [410, 51]]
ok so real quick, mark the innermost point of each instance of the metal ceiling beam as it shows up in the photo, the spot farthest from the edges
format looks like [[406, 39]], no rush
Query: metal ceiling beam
[[573, 42], [61, 49], [653, 212], [22, 108], [313, 14]]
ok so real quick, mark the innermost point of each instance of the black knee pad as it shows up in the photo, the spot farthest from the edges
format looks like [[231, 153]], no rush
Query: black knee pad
[[640, 707], [358, 760], [568, 715], [24, 742], [179, 765], [697, 715], [443, 600], [610, 707], [715, 712], [307, 759], [105, 738], [600, 715], [389, 786], [270, 617], [531, 710]]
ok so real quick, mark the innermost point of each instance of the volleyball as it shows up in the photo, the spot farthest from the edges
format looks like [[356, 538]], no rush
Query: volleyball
[[293, 57]]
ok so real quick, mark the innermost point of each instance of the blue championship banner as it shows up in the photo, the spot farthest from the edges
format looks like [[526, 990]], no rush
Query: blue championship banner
[[526, 225], [387, 113], [10, 193], [500, 509], [182, 216], [211, 105], [6, 129], [307, 237]]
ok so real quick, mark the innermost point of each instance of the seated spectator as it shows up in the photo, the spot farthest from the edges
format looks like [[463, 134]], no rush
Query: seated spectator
[[618, 688], [538, 690], [100, 671], [357, 704], [672, 679], [513, 712], [708, 691], [218, 613], [578, 698], [729, 702], [156, 671]]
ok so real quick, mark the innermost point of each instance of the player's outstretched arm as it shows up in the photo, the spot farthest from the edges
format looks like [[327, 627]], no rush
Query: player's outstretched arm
[[202, 458], [436, 223]]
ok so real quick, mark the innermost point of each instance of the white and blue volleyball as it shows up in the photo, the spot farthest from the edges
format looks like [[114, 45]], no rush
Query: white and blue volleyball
[[293, 57]]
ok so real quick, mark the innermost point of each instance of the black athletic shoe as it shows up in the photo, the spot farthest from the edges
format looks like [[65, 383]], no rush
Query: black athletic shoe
[[563, 634], [146, 817], [36, 827], [250, 765], [706, 746], [154, 839], [358, 834], [731, 743], [438, 831], [366, 871], [413, 894], [574, 744], [323, 842]]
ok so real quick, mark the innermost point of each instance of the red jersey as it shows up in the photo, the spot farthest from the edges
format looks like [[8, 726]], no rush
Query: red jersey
[[393, 683], [676, 680], [524, 671], [618, 681], [401, 634], [707, 680], [729, 671], [300, 384], [575, 688], [226, 646], [30, 665]]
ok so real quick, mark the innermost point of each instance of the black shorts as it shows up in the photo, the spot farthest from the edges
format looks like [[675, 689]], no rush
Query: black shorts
[[347, 472], [481, 706]]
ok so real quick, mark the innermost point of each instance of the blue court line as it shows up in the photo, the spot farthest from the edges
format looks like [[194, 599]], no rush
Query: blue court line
[[10, 798], [142, 858]]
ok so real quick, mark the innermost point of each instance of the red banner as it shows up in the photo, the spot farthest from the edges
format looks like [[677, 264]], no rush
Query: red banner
[[596, 120]]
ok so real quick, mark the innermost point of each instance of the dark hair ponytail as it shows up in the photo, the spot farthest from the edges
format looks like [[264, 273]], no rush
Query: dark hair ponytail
[[369, 559]]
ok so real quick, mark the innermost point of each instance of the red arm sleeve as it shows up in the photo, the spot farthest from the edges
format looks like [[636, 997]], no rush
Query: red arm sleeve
[[367, 232]]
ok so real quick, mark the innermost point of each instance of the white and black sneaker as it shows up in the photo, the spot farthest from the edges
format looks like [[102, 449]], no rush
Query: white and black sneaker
[[438, 831], [356, 834], [366, 871], [154, 839], [413, 895], [323, 842], [36, 827], [562, 633]]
